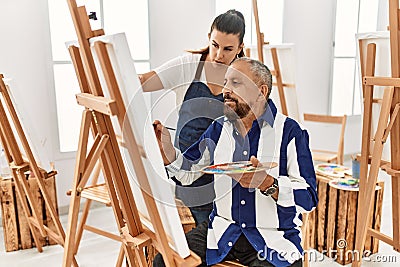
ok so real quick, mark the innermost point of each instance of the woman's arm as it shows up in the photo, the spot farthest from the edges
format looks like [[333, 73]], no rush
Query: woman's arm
[[150, 81], [179, 71]]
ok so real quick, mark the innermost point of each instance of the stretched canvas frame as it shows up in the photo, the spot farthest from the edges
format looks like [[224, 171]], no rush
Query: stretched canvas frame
[[40, 147], [138, 115]]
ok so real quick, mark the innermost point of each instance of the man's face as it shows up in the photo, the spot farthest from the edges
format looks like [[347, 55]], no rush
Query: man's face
[[240, 92]]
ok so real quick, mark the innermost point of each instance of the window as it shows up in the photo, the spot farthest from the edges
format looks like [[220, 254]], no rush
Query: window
[[113, 16], [270, 13], [352, 16]]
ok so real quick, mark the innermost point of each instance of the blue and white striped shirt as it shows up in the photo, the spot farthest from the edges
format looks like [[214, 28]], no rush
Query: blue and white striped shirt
[[271, 226]]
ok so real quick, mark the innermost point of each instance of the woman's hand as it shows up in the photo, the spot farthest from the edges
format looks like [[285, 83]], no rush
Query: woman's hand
[[150, 81], [164, 142]]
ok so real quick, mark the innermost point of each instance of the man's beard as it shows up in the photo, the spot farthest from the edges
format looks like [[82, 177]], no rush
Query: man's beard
[[240, 111]]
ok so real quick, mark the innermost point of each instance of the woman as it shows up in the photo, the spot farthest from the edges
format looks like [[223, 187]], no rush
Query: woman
[[197, 79]]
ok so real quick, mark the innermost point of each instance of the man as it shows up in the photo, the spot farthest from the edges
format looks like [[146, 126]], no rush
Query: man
[[257, 216]]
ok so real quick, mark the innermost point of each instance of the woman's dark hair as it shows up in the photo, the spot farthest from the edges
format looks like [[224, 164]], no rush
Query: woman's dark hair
[[230, 22]]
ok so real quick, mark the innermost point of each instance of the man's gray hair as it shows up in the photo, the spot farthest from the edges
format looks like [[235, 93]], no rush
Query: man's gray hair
[[260, 71]]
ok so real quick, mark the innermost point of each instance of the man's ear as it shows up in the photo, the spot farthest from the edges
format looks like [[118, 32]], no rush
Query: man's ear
[[264, 90], [209, 36]]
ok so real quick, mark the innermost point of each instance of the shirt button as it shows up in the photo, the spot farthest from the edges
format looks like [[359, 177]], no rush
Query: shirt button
[[230, 244], [245, 153], [242, 202], [243, 225]]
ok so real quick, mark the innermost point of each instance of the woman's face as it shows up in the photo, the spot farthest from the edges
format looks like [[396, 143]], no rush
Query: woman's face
[[223, 47]]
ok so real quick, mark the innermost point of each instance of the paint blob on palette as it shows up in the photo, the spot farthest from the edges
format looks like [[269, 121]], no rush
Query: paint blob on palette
[[238, 167], [333, 170]]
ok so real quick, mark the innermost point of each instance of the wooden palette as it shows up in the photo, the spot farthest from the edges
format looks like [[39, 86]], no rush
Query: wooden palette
[[350, 184], [238, 167], [332, 170]]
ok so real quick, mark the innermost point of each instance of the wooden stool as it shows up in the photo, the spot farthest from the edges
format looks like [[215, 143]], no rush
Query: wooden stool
[[332, 225]]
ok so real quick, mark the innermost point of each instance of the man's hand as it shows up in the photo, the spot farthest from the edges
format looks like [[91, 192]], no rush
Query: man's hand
[[164, 142], [260, 180]]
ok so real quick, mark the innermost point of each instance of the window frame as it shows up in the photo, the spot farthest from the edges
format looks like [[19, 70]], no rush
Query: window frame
[[59, 155], [356, 71]]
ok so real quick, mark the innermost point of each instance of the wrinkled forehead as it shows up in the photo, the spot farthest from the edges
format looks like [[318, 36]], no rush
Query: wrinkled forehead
[[239, 70]]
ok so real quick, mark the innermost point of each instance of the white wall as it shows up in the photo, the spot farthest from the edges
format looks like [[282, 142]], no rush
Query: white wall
[[383, 15], [309, 25], [178, 25], [175, 25]]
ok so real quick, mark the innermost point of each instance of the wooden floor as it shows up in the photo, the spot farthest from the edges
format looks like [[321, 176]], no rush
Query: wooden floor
[[98, 251]]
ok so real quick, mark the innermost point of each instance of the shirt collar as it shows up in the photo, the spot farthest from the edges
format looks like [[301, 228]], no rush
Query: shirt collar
[[269, 113]]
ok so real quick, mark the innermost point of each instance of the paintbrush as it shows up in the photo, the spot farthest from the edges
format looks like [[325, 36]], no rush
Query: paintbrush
[[169, 128]]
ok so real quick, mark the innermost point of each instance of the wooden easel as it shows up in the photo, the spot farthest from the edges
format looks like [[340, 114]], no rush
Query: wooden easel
[[276, 71], [390, 109], [22, 163], [97, 118]]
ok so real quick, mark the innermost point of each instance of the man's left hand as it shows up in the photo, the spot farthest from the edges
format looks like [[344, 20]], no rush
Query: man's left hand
[[260, 180]]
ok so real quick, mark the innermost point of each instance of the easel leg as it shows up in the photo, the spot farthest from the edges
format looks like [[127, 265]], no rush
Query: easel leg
[[79, 233], [50, 207], [69, 246], [367, 188], [121, 256], [25, 208], [128, 251], [394, 28], [396, 212], [306, 239], [141, 258], [24, 186], [85, 211], [362, 219]]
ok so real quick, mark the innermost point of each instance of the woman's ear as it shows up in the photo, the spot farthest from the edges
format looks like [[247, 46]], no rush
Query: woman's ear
[[241, 48], [209, 35]]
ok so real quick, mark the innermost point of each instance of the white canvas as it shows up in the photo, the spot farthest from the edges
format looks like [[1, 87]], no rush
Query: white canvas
[[382, 68], [39, 146], [286, 58], [139, 117]]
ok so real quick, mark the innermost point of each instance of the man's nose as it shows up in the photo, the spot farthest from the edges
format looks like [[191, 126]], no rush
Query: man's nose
[[226, 90]]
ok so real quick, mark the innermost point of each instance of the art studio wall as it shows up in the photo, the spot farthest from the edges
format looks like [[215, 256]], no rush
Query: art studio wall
[[175, 25]]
